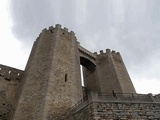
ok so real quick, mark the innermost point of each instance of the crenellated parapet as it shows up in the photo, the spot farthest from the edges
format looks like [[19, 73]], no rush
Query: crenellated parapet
[[51, 83], [58, 28], [9, 73], [156, 98], [107, 52], [110, 53]]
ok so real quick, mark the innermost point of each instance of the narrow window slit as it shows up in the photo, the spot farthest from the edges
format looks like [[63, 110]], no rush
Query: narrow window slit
[[65, 77]]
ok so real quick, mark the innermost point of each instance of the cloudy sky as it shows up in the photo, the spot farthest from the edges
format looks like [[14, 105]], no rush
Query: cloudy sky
[[131, 27]]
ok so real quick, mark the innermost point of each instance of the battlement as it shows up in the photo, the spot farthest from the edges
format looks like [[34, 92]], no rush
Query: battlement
[[54, 67], [156, 98], [9, 73], [52, 29], [107, 52]]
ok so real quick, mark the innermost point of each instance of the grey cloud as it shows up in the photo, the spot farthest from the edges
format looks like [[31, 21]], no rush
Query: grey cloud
[[29, 17], [129, 26]]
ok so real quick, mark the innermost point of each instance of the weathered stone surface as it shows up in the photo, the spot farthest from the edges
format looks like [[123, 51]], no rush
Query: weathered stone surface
[[114, 111], [10, 84], [52, 79], [51, 85]]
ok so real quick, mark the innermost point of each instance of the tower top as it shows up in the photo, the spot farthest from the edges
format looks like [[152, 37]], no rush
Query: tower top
[[56, 28]]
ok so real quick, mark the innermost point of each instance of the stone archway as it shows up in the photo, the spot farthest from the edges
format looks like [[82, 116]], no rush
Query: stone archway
[[87, 63]]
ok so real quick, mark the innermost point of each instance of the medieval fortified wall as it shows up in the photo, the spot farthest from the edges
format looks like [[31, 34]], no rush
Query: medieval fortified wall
[[50, 86]]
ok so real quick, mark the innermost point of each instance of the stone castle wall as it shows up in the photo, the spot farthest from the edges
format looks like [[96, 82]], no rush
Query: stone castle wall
[[110, 74], [10, 84], [52, 79], [118, 111], [121, 107], [51, 85]]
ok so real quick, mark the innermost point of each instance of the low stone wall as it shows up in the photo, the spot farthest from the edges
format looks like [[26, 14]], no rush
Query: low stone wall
[[118, 111], [85, 113], [98, 107], [127, 111]]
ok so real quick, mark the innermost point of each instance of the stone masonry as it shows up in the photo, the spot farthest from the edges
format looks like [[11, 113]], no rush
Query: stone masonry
[[10, 87], [118, 111], [108, 107], [50, 85]]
